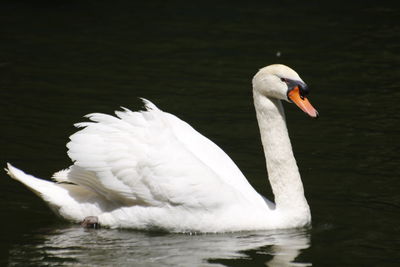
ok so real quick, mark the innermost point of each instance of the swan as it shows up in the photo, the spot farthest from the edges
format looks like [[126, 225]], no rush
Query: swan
[[150, 170]]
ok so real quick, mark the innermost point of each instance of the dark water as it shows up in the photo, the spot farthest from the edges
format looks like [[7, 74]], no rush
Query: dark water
[[60, 60]]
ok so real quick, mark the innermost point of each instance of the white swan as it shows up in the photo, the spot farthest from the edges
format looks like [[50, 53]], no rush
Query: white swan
[[149, 169]]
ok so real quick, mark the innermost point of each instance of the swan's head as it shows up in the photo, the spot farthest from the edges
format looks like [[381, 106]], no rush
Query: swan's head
[[281, 82]]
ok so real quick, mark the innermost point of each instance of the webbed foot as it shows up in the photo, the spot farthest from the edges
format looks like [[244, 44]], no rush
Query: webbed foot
[[91, 222]]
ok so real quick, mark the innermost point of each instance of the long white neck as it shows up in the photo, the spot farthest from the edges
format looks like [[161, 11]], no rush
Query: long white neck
[[281, 165]]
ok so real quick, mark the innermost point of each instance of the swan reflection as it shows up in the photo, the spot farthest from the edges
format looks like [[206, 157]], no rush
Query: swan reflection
[[79, 247]]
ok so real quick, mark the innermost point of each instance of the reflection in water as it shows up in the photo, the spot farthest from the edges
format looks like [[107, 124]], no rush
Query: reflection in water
[[78, 247]]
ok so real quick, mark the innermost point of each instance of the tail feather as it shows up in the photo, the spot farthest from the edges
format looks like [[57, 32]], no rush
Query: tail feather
[[72, 202], [40, 187]]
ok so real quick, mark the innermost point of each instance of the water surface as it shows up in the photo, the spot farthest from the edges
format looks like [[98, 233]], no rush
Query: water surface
[[79, 247], [60, 60]]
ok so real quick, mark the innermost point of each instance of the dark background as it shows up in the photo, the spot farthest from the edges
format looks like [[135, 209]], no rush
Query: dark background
[[60, 60]]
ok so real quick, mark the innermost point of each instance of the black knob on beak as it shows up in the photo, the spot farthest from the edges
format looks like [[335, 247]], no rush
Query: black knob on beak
[[304, 90]]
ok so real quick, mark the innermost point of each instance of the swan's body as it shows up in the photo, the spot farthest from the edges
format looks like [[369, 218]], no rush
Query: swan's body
[[150, 169]]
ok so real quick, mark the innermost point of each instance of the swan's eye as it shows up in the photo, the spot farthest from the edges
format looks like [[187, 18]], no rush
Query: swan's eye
[[284, 80]]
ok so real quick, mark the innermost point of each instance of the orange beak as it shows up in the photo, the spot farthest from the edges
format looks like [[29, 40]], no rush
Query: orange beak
[[302, 102]]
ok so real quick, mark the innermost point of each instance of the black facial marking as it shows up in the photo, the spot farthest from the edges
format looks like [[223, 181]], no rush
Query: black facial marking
[[304, 90]]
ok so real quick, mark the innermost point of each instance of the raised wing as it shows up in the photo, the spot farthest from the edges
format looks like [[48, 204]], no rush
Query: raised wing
[[152, 158]]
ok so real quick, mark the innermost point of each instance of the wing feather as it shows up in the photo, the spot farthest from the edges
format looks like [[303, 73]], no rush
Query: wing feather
[[152, 158]]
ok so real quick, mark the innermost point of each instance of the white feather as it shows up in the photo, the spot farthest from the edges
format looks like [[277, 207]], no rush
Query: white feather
[[150, 169]]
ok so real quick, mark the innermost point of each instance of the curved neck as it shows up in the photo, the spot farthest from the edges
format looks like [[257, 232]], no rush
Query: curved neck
[[282, 169]]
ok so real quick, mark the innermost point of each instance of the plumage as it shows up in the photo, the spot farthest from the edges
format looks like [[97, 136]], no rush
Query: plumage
[[149, 169]]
